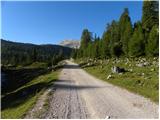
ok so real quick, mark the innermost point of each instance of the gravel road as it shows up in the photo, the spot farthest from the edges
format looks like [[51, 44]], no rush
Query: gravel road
[[80, 95]]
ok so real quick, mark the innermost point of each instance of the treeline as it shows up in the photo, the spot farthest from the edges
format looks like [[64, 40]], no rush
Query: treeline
[[14, 54], [121, 38]]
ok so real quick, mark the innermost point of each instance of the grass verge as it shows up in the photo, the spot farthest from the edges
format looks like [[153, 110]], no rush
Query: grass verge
[[142, 80], [16, 103]]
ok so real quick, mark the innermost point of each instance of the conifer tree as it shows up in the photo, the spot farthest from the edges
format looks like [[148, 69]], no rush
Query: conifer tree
[[150, 16], [137, 43], [125, 29], [152, 47]]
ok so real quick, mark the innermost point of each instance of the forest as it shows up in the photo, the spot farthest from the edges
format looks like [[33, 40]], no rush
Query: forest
[[124, 39], [14, 54]]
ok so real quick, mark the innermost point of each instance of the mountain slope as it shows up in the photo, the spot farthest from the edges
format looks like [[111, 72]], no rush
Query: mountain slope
[[25, 53]]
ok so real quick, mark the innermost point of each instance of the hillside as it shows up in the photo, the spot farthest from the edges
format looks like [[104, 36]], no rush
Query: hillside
[[14, 53], [70, 43]]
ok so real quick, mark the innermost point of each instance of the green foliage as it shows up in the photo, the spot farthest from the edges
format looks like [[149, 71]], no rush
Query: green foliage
[[15, 106], [152, 47], [120, 38], [150, 15], [85, 38], [137, 43], [125, 28], [15, 54]]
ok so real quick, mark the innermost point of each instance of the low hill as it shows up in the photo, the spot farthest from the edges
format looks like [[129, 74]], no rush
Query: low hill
[[15, 53]]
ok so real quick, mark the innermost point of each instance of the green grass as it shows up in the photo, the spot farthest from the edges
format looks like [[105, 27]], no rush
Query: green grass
[[147, 85], [37, 65], [15, 106]]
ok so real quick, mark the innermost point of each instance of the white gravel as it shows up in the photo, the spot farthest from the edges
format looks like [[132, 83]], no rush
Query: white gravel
[[80, 95]]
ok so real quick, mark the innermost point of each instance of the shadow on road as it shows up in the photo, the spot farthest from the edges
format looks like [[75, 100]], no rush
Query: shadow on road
[[69, 84], [72, 67]]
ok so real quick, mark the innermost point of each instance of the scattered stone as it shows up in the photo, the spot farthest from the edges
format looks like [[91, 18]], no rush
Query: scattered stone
[[152, 69], [142, 74], [109, 76], [140, 65], [101, 62], [126, 63], [154, 58], [131, 70], [101, 66], [120, 73], [146, 63], [107, 117], [88, 64]]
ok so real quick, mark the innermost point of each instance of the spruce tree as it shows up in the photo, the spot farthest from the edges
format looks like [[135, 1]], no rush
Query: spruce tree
[[125, 29]]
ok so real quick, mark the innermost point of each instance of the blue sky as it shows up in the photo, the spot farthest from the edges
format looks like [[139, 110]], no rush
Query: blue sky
[[51, 22]]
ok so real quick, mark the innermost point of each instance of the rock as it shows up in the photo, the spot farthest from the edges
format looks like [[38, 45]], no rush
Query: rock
[[109, 76], [154, 62], [140, 65], [117, 70], [107, 117], [120, 73], [126, 63], [101, 66], [131, 70], [101, 62], [146, 63], [152, 69]]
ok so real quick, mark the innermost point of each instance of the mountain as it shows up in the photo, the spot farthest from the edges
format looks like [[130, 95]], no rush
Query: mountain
[[24, 53], [70, 43]]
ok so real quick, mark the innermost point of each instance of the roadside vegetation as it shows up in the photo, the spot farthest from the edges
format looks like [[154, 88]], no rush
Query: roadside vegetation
[[15, 104], [127, 53], [143, 80], [23, 86]]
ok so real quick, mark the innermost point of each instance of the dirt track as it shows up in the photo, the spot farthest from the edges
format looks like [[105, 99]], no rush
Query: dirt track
[[80, 95]]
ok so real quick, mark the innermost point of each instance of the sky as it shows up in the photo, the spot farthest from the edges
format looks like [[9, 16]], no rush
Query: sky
[[52, 22]]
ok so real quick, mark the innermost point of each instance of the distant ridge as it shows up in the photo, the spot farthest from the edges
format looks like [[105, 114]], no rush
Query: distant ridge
[[70, 43]]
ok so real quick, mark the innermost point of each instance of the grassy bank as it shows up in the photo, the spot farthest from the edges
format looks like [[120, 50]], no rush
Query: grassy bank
[[17, 102], [142, 80]]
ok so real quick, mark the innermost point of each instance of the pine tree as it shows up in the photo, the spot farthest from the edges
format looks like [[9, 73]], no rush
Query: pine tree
[[152, 47], [105, 42], [115, 43], [137, 43], [85, 38]]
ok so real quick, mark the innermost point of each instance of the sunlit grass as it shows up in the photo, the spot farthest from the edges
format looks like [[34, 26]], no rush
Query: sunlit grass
[[17, 108]]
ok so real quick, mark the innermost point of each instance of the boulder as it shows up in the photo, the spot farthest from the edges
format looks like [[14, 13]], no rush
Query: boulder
[[116, 69]]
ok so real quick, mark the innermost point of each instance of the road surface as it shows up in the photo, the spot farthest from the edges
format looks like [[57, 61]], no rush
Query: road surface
[[80, 95]]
